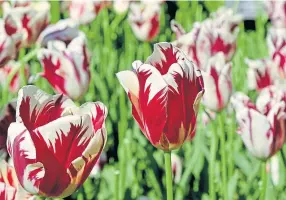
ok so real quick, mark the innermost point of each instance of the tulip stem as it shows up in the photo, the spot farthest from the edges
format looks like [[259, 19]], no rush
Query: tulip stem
[[116, 173], [223, 155], [212, 160], [264, 180], [168, 171]]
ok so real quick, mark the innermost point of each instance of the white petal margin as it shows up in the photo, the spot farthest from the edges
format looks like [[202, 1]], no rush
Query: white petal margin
[[154, 80], [18, 133], [254, 130], [37, 97], [63, 30], [129, 81]]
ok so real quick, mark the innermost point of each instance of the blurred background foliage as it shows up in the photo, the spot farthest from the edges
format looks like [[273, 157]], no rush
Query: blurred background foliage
[[134, 166]]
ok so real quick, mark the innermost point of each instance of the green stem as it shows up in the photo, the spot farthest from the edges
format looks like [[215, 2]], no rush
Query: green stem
[[223, 155], [264, 180], [116, 185], [212, 161], [55, 11], [168, 171]]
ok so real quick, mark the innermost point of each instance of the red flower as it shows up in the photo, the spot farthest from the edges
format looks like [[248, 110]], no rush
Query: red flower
[[263, 135], [261, 73], [30, 20], [165, 92], [10, 189], [216, 34], [8, 115], [85, 11], [67, 67], [144, 20], [15, 82], [217, 81], [54, 144]]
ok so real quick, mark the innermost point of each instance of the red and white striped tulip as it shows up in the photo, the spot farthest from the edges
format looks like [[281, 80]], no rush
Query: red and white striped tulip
[[165, 93], [15, 81], [261, 73], [7, 116], [85, 11], [276, 12], [268, 97], [177, 167], [217, 81], [144, 20], [8, 44], [206, 39], [30, 20], [10, 189], [240, 100], [67, 67], [64, 30], [276, 40], [54, 144], [262, 135]]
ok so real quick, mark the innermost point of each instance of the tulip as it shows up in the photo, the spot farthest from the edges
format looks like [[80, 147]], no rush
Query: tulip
[[216, 34], [240, 100], [276, 12], [177, 167], [261, 73], [268, 97], [8, 45], [276, 41], [67, 67], [64, 30], [10, 188], [7, 116], [85, 11], [165, 92], [144, 20], [262, 135], [15, 81], [54, 144], [217, 81], [30, 20]]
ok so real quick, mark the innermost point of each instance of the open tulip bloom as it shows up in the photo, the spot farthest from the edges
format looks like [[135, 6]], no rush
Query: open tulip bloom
[[217, 34], [263, 135], [165, 92], [28, 20], [10, 189], [218, 85], [54, 144], [144, 19], [66, 67]]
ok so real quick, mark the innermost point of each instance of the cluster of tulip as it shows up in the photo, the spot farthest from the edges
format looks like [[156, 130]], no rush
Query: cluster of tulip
[[49, 145]]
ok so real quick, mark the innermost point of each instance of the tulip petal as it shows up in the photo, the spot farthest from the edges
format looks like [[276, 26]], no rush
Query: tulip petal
[[185, 86], [152, 100], [7, 192], [255, 132], [63, 30], [163, 56], [29, 112], [130, 83]]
